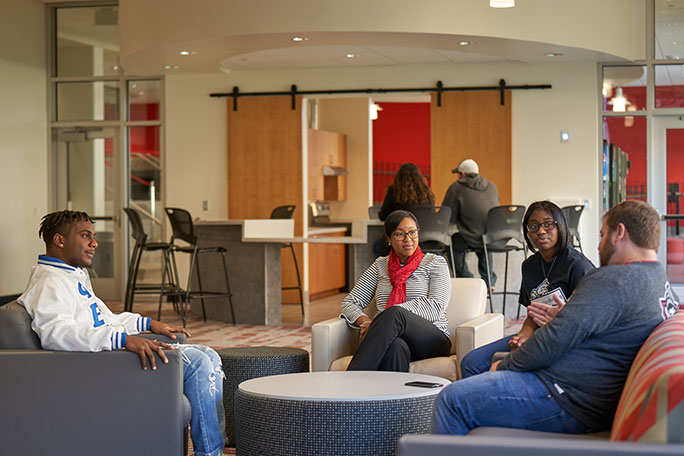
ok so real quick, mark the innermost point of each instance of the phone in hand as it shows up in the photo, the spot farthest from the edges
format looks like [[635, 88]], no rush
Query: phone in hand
[[424, 384]]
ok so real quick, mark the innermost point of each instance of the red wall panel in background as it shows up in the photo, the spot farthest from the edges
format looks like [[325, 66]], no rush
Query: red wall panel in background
[[401, 134]]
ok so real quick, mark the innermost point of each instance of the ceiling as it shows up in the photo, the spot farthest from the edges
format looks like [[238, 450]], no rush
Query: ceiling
[[97, 27]]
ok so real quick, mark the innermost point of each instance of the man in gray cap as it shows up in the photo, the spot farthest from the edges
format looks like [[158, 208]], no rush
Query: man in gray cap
[[470, 198]]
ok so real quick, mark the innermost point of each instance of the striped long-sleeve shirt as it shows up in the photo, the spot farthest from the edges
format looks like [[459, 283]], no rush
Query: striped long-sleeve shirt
[[427, 291]]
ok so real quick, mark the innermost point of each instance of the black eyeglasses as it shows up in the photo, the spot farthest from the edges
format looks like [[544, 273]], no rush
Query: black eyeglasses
[[402, 235], [534, 227]]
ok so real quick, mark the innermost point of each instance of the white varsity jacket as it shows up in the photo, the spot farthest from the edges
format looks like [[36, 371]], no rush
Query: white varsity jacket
[[68, 316]]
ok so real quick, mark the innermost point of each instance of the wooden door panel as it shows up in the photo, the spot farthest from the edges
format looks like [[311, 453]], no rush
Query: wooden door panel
[[471, 125]]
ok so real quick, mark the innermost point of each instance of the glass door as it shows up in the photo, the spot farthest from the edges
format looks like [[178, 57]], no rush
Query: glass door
[[88, 178], [668, 196]]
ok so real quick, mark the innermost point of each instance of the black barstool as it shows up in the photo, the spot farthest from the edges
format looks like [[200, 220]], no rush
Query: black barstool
[[572, 216], [504, 224], [285, 212], [181, 224], [142, 245]]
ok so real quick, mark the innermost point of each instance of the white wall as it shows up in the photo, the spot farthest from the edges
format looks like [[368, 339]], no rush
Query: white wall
[[542, 166], [196, 145], [23, 147]]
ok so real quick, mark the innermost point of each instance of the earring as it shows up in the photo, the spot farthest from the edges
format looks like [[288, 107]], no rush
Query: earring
[[61, 245]]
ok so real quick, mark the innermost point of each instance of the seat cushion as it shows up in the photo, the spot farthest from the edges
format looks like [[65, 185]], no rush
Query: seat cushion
[[341, 364], [651, 407], [441, 366]]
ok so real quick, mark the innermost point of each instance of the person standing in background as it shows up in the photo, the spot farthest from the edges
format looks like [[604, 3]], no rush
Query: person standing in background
[[407, 190], [470, 199]]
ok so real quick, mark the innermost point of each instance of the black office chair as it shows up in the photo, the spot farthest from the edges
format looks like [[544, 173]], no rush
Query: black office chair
[[141, 245], [374, 211], [285, 212], [504, 224], [434, 230], [181, 224], [572, 217]]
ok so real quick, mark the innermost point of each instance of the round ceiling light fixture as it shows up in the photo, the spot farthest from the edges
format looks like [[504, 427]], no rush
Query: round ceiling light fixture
[[501, 3]]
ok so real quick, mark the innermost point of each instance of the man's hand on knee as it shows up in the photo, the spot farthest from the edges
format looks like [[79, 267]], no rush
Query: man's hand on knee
[[146, 349]]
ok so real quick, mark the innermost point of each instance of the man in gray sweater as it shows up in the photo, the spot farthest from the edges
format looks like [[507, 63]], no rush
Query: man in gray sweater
[[470, 198], [569, 375]]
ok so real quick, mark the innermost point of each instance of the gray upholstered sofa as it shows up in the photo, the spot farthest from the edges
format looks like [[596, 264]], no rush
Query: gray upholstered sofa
[[80, 403]]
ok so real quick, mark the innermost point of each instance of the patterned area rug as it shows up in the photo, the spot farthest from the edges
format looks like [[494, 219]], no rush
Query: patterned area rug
[[218, 334]]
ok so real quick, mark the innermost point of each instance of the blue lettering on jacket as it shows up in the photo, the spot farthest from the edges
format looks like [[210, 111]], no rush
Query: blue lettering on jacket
[[83, 291], [97, 320]]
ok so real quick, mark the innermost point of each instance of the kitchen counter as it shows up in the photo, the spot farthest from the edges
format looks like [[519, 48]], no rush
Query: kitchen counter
[[254, 266]]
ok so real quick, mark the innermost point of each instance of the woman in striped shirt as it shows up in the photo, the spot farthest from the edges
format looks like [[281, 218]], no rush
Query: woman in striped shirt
[[411, 291]]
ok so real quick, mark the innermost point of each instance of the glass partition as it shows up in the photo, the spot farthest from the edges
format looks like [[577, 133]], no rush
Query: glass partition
[[624, 88], [669, 86], [87, 42], [669, 29]]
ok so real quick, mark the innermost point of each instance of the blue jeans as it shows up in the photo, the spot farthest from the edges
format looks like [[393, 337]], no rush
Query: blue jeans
[[203, 386], [504, 399], [480, 359]]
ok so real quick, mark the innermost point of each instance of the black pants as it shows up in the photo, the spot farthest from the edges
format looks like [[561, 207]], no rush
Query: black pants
[[395, 339], [462, 270]]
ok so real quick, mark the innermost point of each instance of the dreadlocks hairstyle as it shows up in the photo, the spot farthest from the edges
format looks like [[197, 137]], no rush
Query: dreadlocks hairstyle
[[57, 222], [410, 187]]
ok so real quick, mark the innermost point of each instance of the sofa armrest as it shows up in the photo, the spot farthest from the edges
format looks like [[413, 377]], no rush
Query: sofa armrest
[[330, 340], [180, 337], [443, 445], [478, 332], [80, 403]]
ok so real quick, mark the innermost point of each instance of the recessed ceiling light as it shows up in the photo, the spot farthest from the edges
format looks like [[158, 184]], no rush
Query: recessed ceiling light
[[554, 54], [184, 52], [171, 67], [463, 43], [300, 38], [115, 67], [501, 3], [351, 56]]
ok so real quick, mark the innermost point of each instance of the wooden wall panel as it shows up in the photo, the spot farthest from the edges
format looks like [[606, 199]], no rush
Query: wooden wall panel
[[264, 157], [471, 125], [265, 167]]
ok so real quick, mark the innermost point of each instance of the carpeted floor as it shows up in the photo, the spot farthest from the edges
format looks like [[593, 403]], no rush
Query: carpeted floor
[[217, 334]]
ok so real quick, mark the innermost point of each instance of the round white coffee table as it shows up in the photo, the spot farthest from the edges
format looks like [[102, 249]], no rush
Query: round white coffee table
[[321, 413]]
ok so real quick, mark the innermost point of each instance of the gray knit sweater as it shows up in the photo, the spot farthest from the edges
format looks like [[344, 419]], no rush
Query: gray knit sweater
[[583, 356]]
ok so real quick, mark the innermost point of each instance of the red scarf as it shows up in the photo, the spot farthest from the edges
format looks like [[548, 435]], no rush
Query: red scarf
[[398, 275]]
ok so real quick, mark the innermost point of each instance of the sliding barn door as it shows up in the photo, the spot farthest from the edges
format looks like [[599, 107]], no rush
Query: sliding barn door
[[471, 125], [265, 168], [264, 157]]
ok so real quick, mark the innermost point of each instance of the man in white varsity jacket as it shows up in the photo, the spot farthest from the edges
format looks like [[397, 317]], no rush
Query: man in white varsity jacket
[[68, 316]]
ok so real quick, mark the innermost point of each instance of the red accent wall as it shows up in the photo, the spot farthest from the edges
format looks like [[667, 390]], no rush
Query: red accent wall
[[401, 134]]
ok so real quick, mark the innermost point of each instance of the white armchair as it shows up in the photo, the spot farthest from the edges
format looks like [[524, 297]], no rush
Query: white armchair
[[333, 342]]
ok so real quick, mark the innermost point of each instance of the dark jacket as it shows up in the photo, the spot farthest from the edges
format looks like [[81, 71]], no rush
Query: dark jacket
[[470, 198]]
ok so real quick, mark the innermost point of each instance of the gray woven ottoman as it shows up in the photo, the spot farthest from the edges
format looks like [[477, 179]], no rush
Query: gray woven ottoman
[[244, 363], [331, 413]]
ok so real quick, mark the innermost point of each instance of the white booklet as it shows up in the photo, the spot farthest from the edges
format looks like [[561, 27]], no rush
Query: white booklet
[[548, 298]]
